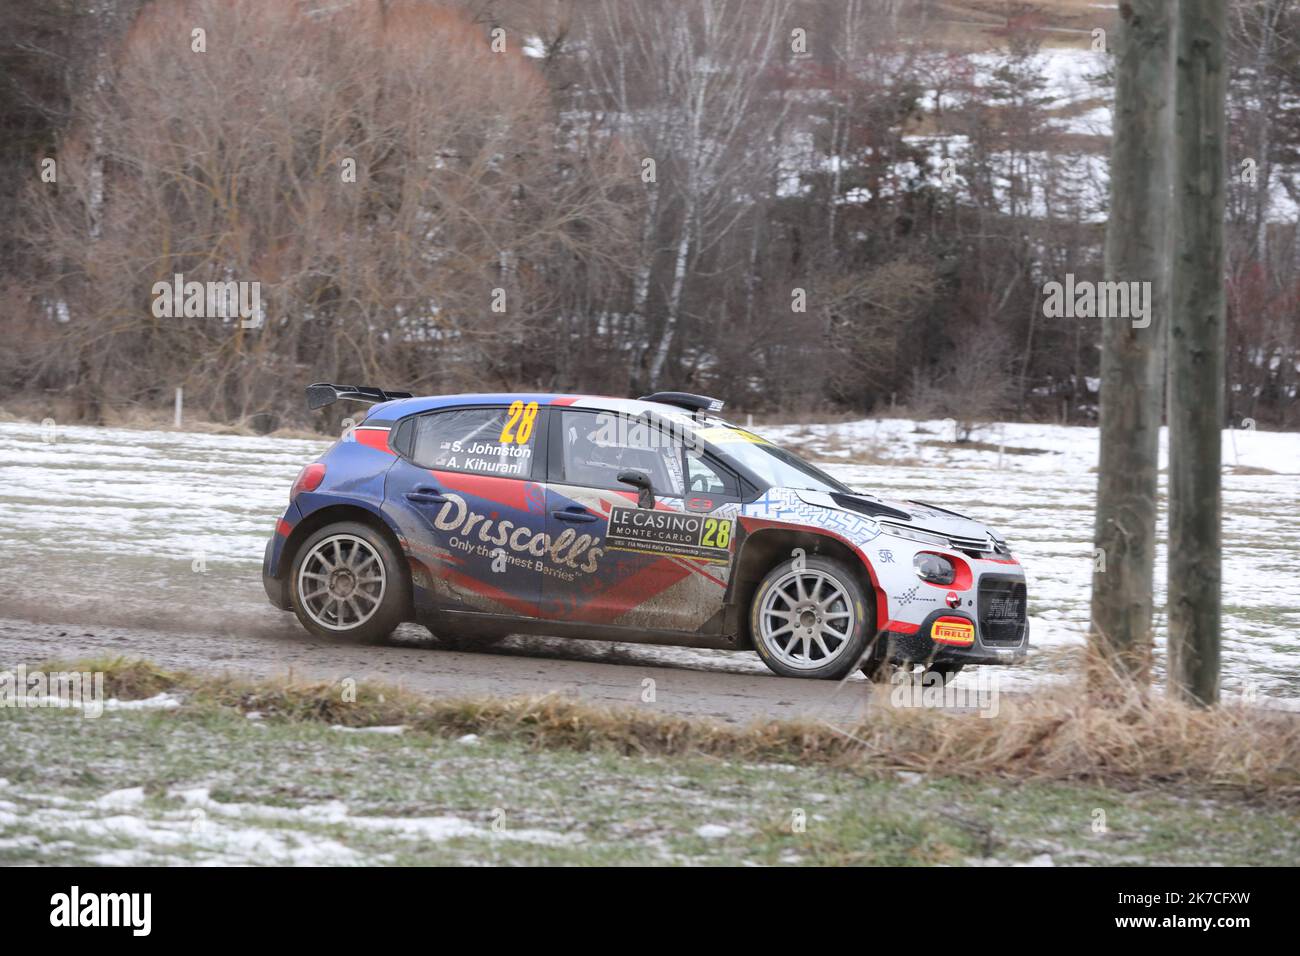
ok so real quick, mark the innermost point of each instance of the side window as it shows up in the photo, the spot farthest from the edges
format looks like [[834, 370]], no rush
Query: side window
[[483, 441], [597, 446], [703, 477]]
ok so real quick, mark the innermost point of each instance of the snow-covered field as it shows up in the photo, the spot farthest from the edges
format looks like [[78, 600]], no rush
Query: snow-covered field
[[138, 527]]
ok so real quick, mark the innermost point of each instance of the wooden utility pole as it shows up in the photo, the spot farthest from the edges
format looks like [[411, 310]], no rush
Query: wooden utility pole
[[1132, 363], [1196, 346]]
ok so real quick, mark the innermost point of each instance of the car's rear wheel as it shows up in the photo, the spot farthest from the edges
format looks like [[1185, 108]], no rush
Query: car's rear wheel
[[810, 617], [348, 583]]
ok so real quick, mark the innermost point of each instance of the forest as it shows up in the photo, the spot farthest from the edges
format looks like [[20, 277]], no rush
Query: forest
[[804, 208]]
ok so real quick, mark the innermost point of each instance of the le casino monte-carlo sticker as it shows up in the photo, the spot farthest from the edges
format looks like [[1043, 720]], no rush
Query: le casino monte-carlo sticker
[[670, 533]]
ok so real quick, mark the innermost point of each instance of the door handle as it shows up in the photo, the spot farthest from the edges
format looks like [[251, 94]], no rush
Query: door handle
[[426, 495], [576, 515]]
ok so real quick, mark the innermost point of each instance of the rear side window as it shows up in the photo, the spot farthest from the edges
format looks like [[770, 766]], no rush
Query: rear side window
[[483, 441]]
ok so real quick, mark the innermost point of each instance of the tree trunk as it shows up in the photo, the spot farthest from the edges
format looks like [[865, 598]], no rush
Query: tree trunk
[[1132, 372], [1196, 347], [674, 303]]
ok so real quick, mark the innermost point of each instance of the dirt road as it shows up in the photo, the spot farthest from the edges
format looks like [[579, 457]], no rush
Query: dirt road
[[707, 684]]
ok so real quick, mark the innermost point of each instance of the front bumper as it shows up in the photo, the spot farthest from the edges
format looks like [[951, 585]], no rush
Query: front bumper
[[998, 615]]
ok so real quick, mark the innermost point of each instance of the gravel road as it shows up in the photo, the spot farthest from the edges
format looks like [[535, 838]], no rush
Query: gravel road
[[707, 684]]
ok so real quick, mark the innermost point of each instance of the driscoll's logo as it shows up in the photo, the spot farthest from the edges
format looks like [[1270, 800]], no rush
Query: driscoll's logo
[[456, 518]]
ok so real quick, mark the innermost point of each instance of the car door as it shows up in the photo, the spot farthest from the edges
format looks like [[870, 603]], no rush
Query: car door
[[660, 568], [464, 495]]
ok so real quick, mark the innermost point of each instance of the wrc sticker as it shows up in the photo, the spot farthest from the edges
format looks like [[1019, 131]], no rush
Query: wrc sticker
[[668, 533]]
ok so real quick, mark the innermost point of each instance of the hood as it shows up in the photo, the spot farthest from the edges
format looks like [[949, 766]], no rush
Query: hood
[[965, 532]]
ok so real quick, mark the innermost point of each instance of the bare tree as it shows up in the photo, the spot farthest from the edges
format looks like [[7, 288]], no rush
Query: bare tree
[[407, 213], [1132, 373], [686, 78], [1196, 345]]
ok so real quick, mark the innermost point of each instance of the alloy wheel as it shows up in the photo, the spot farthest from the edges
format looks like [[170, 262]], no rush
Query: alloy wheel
[[806, 619], [341, 582]]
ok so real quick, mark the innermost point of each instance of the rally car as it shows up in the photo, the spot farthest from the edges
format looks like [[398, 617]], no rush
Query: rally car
[[650, 520]]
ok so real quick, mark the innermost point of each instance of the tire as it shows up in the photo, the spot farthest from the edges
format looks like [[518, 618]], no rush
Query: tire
[[361, 587], [814, 622]]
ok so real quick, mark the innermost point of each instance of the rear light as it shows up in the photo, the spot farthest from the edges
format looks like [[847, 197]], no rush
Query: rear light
[[309, 479]]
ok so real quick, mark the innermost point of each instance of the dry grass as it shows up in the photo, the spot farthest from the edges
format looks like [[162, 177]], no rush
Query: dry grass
[[971, 445], [141, 418], [1133, 739]]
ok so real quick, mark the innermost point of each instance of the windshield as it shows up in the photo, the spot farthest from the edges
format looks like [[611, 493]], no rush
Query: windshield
[[775, 466]]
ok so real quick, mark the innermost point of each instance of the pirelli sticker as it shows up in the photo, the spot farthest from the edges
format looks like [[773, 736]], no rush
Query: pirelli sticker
[[955, 631], [670, 533]]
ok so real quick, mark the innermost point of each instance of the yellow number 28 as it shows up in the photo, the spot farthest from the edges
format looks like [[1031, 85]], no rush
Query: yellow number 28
[[717, 533], [519, 424]]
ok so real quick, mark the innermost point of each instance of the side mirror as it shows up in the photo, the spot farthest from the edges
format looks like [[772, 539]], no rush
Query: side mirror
[[641, 481]]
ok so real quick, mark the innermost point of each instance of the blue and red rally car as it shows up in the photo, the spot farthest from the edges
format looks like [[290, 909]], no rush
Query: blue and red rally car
[[651, 520]]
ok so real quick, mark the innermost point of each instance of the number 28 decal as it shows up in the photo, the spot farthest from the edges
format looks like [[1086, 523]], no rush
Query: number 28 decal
[[717, 533], [519, 424]]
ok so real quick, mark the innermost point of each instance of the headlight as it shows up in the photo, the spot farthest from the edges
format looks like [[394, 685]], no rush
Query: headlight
[[911, 534], [932, 568]]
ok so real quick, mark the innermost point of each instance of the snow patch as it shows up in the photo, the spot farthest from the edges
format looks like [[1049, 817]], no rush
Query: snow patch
[[712, 831], [121, 799], [391, 731]]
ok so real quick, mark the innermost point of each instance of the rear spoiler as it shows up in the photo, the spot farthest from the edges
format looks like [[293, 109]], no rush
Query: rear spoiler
[[323, 393], [692, 403]]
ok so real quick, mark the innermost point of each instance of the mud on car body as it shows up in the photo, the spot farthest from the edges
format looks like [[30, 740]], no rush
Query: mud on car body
[[649, 520]]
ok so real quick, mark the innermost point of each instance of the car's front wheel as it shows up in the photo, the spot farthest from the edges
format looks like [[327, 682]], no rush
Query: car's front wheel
[[348, 583], [811, 617]]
